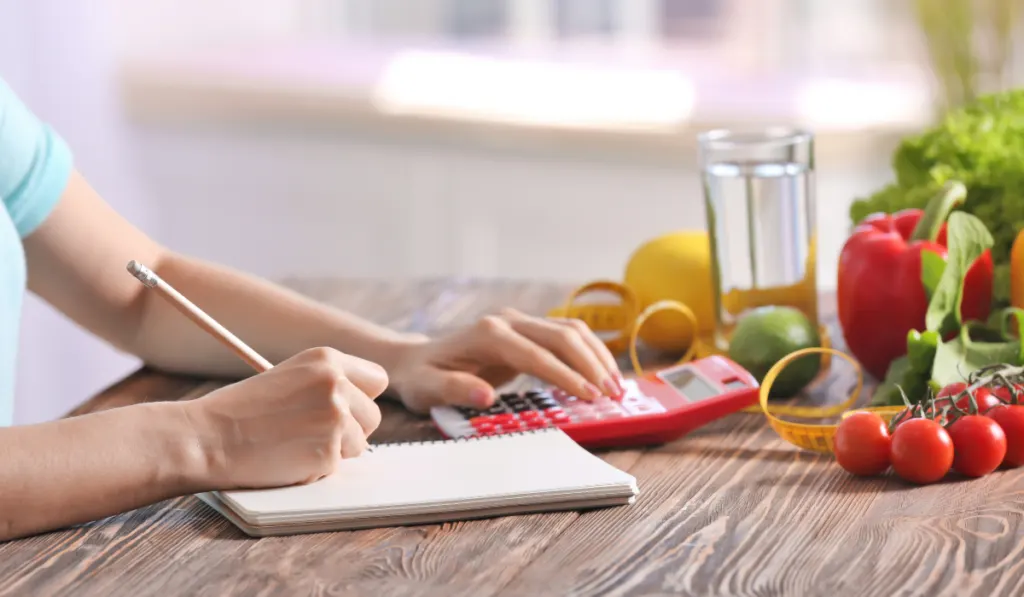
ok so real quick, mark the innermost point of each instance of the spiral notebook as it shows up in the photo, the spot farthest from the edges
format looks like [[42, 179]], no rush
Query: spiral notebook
[[435, 481]]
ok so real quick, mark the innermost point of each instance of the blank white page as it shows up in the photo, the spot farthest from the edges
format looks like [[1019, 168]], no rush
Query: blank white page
[[436, 476]]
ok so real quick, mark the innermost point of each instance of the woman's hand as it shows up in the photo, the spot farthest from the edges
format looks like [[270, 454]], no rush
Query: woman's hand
[[464, 367], [292, 424]]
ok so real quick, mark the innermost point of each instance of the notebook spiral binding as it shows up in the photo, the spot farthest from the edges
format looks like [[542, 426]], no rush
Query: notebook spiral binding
[[457, 440]]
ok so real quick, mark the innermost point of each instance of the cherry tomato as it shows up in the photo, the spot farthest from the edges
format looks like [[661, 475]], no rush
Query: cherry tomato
[[979, 444], [922, 451], [862, 444], [1010, 418], [1006, 395], [985, 398], [951, 390]]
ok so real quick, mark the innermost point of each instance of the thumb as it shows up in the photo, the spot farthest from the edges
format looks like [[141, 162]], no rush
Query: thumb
[[458, 388]]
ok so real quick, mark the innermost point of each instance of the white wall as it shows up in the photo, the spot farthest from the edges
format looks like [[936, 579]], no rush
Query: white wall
[[282, 202]]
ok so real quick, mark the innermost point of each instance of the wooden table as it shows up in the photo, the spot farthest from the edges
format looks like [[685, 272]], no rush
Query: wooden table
[[728, 510]]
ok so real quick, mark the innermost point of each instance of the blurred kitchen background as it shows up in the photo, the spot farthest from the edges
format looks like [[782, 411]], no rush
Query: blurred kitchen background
[[403, 138]]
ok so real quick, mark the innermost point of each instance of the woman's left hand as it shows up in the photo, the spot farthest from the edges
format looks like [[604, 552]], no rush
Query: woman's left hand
[[464, 367]]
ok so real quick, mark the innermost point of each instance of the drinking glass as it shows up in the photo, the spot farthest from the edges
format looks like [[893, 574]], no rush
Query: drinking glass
[[759, 200]]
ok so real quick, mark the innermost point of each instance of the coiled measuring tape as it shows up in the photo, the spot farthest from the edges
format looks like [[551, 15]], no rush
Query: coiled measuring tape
[[625, 323], [817, 437], [604, 318], [621, 323]]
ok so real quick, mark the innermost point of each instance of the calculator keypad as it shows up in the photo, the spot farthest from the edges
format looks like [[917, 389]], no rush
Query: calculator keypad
[[537, 409]]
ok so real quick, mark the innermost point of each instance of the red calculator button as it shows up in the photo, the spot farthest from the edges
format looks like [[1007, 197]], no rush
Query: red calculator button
[[552, 412], [536, 423], [530, 415], [503, 419], [560, 419], [477, 421], [484, 427]]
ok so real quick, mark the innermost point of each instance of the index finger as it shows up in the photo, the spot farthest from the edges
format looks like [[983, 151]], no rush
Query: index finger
[[600, 348], [526, 356]]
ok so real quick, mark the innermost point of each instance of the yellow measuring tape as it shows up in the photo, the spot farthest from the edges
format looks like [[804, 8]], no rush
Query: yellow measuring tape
[[604, 317], [625, 323], [817, 438]]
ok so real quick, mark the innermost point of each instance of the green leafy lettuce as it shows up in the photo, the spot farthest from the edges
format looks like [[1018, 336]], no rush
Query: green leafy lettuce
[[981, 145]]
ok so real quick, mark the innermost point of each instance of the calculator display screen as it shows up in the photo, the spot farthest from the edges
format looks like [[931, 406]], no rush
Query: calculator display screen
[[690, 385]]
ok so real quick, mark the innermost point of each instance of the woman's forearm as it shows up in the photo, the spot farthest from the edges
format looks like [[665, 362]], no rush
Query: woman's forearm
[[80, 469], [277, 322], [77, 262]]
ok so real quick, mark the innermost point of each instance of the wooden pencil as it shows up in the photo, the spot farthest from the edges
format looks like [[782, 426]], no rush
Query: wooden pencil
[[198, 316]]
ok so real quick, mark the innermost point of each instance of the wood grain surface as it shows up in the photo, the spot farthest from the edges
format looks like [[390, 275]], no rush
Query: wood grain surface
[[728, 510]]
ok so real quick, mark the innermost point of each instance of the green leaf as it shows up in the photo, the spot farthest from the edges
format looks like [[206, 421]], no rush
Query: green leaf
[[921, 347], [932, 266], [963, 355], [901, 375], [887, 393], [1009, 322], [967, 240], [937, 211]]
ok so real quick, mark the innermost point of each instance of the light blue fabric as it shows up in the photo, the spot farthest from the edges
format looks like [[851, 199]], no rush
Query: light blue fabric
[[35, 164]]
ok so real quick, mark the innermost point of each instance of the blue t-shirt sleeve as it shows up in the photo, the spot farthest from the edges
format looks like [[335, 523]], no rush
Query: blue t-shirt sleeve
[[35, 164]]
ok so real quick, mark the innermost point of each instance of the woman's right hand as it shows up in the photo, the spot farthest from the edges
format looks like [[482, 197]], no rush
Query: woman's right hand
[[291, 424]]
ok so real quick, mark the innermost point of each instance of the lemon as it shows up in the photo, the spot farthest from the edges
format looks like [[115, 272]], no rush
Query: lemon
[[765, 335], [675, 266]]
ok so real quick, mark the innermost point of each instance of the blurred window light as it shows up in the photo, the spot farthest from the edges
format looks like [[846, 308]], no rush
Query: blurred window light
[[466, 87], [844, 104]]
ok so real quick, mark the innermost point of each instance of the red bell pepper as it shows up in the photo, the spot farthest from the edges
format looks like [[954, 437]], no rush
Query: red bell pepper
[[881, 295]]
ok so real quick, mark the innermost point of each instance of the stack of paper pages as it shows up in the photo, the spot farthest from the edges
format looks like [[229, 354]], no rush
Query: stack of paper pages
[[437, 481]]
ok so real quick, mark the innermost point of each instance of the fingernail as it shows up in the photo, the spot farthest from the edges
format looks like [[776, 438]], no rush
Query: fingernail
[[590, 392], [612, 388], [480, 397]]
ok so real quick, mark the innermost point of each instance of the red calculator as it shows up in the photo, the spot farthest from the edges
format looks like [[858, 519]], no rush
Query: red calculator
[[659, 407]]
